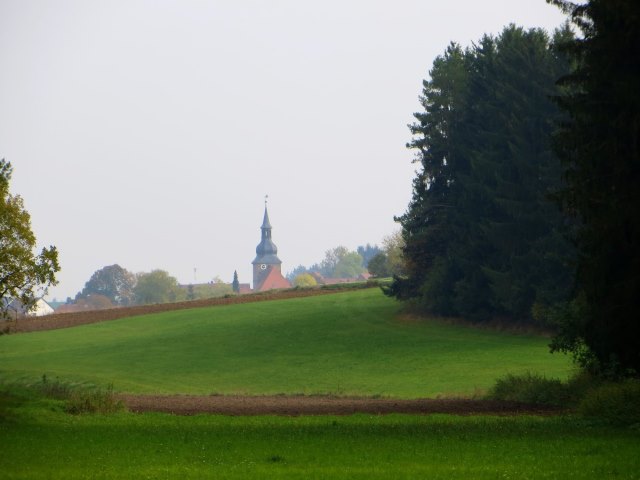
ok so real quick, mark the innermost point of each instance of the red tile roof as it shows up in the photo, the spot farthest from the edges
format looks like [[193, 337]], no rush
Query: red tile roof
[[273, 280]]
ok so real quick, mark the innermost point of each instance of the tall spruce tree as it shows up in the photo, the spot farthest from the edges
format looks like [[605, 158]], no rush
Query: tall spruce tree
[[526, 256], [481, 237], [599, 147], [429, 225], [235, 285]]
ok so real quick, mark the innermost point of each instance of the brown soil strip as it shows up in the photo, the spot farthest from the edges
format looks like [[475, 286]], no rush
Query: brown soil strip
[[321, 405], [66, 320]]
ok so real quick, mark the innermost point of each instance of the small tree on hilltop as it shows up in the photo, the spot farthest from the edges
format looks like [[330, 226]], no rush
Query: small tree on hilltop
[[191, 294], [235, 285], [157, 287], [304, 280], [114, 282]]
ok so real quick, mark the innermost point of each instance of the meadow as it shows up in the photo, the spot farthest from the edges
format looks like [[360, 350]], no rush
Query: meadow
[[351, 343], [41, 442]]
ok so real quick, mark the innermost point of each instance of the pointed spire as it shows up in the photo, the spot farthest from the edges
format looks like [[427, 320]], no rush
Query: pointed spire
[[266, 251], [265, 220]]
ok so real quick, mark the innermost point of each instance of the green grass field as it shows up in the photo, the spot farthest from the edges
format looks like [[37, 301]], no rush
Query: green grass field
[[41, 442], [351, 343]]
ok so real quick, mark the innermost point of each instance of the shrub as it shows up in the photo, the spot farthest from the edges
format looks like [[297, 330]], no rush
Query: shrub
[[53, 389], [94, 401], [77, 398], [304, 280], [530, 388], [617, 403]]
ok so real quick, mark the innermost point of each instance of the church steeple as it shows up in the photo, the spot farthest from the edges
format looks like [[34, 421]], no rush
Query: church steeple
[[266, 251], [265, 221], [266, 265]]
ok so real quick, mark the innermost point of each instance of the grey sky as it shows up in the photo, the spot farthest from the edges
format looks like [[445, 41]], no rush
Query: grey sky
[[146, 133]]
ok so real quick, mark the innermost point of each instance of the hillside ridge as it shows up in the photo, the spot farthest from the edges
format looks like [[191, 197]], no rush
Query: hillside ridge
[[73, 319]]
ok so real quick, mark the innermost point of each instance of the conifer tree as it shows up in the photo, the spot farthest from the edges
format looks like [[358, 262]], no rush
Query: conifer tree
[[481, 237], [235, 285], [599, 147], [525, 257], [428, 224]]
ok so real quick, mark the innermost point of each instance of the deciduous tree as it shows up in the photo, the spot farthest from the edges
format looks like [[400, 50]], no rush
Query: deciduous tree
[[304, 280], [378, 266], [23, 275], [214, 289], [113, 282], [157, 286], [392, 246]]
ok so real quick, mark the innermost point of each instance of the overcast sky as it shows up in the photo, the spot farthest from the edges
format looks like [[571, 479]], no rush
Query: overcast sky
[[147, 133]]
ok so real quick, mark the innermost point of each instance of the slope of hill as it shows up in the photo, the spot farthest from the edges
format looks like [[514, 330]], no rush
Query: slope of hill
[[75, 318], [350, 343]]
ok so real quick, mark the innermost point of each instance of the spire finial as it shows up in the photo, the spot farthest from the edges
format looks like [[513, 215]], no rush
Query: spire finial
[[265, 200]]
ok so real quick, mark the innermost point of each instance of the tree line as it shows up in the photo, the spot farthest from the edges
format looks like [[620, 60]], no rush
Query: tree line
[[526, 203], [340, 262], [482, 238], [114, 286]]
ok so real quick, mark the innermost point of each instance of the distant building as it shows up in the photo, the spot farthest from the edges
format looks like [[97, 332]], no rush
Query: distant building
[[267, 274], [39, 309], [320, 280]]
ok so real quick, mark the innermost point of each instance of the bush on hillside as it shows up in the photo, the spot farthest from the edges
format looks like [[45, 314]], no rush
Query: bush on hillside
[[593, 397], [530, 388], [94, 401], [77, 398], [53, 388], [617, 403]]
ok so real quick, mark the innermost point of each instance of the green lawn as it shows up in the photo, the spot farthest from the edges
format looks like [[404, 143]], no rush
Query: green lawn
[[41, 442], [350, 343]]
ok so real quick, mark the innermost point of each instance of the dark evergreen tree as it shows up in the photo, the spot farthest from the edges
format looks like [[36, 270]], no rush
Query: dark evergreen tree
[[481, 237], [235, 285], [191, 294], [429, 224], [521, 249], [299, 270], [367, 252], [599, 147]]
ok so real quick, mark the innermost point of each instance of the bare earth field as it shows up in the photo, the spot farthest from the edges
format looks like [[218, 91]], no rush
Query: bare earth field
[[320, 405]]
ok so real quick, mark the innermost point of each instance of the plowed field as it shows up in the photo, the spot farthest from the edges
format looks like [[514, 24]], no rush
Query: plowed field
[[320, 405]]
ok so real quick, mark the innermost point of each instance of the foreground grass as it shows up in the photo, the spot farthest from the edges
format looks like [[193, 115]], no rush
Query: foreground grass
[[40, 441], [346, 344]]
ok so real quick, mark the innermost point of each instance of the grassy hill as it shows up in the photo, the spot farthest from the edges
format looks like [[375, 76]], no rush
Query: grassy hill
[[351, 343]]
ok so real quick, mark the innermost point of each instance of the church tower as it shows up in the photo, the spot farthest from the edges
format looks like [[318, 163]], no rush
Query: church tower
[[267, 273]]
